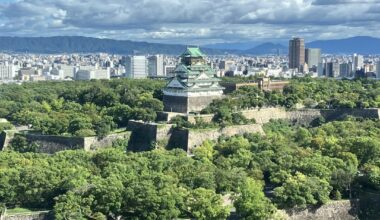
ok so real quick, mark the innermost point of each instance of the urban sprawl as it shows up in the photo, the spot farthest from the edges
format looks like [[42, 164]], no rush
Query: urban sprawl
[[300, 61]]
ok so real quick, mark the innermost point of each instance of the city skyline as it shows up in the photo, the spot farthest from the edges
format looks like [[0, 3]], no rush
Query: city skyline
[[194, 22]]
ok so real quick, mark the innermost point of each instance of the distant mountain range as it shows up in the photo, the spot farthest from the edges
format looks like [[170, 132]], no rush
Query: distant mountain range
[[361, 44], [267, 48], [233, 46], [66, 44], [74, 44]]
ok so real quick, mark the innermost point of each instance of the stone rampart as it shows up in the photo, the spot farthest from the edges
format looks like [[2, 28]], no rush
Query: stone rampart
[[51, 144], [94, 143], [336, 114], [6, 137], [178, 139], [299, 116], [264, 115], [303, 116], [197, 137], [54, 143], [334, 210], [167, 116], [147, 136], [45, 215], [306, 116], [206, 118]]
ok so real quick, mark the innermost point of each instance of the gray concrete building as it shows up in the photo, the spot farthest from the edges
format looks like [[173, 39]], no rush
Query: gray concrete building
[[312, 57], [156, 65]]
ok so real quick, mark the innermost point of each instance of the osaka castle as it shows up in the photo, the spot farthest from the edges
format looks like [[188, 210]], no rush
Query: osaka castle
[[194, 85]]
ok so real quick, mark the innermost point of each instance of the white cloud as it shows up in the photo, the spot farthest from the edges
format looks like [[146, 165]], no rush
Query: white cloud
[[196, 21]]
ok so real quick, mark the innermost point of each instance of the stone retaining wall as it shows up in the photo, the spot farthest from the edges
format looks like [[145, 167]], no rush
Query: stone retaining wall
[[145, 136], [6, 137], [33, 216], [336, 114], [306, 116], [53, 143], [94, 143], [334, 210], [197, 137], [205, 118], [264, 115]]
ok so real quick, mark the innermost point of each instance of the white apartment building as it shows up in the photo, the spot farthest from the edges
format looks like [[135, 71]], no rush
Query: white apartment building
[[87, 73], [8, 71], [136, 67]]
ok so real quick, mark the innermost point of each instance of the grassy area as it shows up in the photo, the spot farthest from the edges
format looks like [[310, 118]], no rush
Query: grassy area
[[18, 211], [118, 131]]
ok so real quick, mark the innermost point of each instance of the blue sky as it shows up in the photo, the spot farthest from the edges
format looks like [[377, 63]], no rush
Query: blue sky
[[192, 22]]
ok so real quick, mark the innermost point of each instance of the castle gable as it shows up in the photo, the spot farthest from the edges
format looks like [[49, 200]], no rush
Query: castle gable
[[175, 84]]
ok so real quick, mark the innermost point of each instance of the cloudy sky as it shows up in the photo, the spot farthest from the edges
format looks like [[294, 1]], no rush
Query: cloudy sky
[[192, 21]]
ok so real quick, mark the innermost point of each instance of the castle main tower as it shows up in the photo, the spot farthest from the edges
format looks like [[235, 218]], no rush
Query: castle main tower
[[194, 85]]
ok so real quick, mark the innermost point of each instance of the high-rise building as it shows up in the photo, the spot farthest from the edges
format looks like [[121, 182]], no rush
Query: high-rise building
[[332, 69], [136, 67], [357, 63], [156, 65], [312, 57], [321, 69], [296, 53], [378, 69], [345, 69]]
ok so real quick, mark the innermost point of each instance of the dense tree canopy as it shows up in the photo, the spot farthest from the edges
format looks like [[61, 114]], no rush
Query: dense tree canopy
[[80, 108], [294, 166], [311, 93], [290, 166]]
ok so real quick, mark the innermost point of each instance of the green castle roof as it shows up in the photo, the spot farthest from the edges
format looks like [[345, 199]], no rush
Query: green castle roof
[[193, 52]]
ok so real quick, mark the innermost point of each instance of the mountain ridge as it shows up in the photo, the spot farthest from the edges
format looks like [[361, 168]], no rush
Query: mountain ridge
[[79, 44], [360, 44]]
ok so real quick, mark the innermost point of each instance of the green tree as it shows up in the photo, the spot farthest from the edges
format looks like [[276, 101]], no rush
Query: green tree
[[73, 206], [206, 204], [251, 202], [20, 144], [301, 190]]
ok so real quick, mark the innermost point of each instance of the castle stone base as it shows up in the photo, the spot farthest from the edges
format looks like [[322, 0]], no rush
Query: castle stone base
[[187, 104]]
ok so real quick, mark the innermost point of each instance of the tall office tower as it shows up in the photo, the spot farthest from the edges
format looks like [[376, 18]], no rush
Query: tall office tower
[[357, 63], [296, 53], [345, 69], [136, 67], [332, 69], [378, 69], [312, 57], [321, 69], [156, 65]]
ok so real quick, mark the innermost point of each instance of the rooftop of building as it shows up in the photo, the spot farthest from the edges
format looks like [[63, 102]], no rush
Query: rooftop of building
[[193, 52]]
